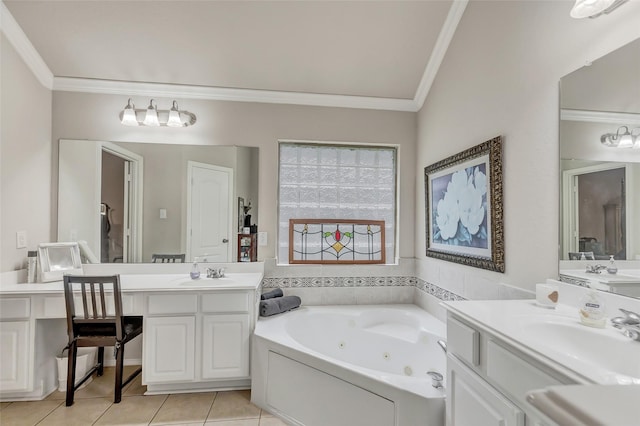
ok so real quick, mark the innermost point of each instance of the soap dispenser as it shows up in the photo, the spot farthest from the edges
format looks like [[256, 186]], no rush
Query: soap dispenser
[[195, 271], [592, 311], [612, 268]]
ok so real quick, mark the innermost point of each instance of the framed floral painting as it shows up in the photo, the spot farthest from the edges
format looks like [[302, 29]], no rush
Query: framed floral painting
[[463, 202]]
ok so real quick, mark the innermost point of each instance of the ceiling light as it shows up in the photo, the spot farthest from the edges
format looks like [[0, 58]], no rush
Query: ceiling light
[[622, 138], [593, 8], [153, 117]]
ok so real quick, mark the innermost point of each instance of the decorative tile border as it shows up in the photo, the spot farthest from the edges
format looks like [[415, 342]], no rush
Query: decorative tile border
[[318, 282]]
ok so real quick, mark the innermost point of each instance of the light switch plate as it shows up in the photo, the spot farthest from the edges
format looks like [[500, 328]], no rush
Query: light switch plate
[[163, 213], [21, 239], [262, 239]]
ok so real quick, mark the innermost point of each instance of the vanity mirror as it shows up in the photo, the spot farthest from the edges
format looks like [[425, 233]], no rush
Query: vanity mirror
[[600, 184], [129, 201]]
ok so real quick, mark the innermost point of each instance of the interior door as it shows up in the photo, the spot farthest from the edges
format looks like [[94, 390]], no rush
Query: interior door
[[209, 212]]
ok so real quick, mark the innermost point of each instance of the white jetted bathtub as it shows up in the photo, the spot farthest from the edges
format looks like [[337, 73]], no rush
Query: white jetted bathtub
[[350, 365]]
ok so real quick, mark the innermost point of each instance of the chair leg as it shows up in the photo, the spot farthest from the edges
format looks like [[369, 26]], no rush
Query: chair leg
[[71, 373], [101, 360], [119, 372]]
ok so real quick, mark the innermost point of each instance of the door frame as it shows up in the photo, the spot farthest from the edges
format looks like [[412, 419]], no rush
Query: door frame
[[569, 203], [190, 166], [132, 251]]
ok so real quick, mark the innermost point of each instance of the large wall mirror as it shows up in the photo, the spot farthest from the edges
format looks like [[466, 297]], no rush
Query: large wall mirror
[[600, 184], [131, 201]]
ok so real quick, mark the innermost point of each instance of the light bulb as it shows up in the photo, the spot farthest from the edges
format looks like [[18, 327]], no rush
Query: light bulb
[[129, 115], [151, 118], [174, 116]]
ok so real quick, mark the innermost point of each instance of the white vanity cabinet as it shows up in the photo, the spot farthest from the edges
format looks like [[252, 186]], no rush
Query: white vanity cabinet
[[15, 350], [488, 378], [197, 340]]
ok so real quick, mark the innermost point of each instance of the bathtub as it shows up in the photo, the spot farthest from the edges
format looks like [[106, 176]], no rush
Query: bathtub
[[350, 365]]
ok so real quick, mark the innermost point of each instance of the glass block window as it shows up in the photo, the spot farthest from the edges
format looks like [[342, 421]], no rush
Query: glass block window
[[336, 182]]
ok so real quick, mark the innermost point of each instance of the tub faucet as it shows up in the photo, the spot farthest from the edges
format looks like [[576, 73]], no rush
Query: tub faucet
[[629, 324], [215, 273], [436, 379]]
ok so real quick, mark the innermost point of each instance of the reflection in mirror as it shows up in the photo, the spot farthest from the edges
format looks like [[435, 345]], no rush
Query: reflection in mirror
[[600, 184], [130, 201]]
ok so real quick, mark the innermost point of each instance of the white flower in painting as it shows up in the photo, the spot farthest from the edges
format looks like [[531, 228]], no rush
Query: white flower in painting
[[471, 209], [480, 181], [448, 215], [458, 184]]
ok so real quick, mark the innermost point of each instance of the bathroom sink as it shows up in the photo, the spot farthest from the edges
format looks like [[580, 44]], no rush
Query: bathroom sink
[[606, 352]]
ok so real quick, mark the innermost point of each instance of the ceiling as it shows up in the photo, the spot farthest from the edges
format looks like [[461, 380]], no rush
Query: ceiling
[[379, 53]]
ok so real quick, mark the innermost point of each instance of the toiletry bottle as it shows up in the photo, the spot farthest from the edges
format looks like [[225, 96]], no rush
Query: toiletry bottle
[[592, 310], [195, 271], [32, 266], [612, 268]]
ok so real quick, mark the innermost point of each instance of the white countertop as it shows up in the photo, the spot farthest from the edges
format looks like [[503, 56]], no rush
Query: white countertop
[[507, 318], [622, 277], [151, 282]]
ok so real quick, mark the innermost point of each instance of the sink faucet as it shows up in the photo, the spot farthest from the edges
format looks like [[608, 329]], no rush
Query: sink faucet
[[215, 273], [595, 269], [629, 324]]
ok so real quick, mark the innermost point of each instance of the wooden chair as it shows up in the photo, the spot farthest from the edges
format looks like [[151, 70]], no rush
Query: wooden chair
[[167, 258], [96, 327]]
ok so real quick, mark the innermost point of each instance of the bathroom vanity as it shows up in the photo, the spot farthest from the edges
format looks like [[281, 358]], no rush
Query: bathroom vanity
[[625, 282], [196, 332], [499, 351]]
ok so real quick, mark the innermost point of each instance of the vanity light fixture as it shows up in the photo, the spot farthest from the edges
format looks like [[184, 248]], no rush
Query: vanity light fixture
[[622, 138], [153, 117], [594, 8]]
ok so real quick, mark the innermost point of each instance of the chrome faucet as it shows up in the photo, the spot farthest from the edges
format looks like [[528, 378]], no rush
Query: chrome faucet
[[436, 379], [629, 324], [215, 273], [595, 269]]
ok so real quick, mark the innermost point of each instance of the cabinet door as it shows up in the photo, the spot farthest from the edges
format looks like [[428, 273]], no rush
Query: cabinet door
[[225, 346], [169, 349], [471, 401], [14, 353]]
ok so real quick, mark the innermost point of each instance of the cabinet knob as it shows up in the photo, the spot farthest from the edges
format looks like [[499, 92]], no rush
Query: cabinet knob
[[224, 240]]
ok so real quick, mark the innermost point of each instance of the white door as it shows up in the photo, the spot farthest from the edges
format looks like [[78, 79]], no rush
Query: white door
[[14, 353], [209, 212], [169, 349], [225, 346]]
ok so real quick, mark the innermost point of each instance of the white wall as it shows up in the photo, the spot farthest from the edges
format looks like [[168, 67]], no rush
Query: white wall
[[95, 117], [500, 77], [25, 159]]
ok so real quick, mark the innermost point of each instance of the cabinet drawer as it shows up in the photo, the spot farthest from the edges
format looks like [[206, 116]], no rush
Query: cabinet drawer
[[463, 341], [15, 308], [55, 306], [172, 304], [225, 302], [513, 374]]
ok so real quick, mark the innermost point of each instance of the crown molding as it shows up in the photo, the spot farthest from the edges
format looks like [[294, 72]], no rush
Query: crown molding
[[439, 50], [627, 118], [129, 88], [23, 46], [34, 61]]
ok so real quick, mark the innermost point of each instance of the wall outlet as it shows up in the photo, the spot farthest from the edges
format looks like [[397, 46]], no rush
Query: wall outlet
[[21, 239], [262, 238], [163, 213]]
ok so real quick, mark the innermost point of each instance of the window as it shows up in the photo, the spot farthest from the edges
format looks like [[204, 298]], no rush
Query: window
[[323, 181]]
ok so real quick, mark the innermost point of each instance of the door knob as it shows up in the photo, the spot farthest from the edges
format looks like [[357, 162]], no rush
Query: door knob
[[224, 240]]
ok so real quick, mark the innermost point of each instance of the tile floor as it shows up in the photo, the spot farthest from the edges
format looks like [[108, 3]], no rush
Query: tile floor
[[94, 406]]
